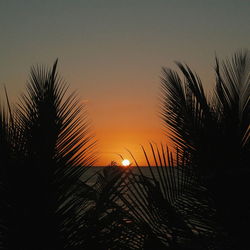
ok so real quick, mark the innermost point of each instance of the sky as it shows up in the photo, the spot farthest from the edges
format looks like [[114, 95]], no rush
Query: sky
[[112, 53]]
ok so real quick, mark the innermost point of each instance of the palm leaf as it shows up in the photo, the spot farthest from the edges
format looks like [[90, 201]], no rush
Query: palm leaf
[[168, 204], [215, 134], [107, 224], [57, 148]]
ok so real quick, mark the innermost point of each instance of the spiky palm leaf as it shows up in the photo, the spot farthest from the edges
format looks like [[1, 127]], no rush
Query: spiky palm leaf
[[215, 133], [189, 119], [10, 172], [56, 148], [233, 106], [218, 127], [169, 205], [6, 160], [108, 225]]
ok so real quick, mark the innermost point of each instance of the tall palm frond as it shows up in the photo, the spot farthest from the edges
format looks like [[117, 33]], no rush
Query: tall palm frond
[[188, 116], [215, 134], [168, 204], [57, 148], [6, 158], [233, 104], [9, 174], [108, 224]]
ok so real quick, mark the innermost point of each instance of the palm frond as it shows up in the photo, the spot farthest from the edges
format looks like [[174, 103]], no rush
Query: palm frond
[[188, 116], [57, 148], [168, 204], [233, 103], [215, 134], [107, 223]]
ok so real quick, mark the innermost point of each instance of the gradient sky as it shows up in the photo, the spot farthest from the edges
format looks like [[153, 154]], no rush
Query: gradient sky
[[112, 53]]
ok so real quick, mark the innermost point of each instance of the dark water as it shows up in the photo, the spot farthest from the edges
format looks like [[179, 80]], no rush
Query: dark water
[[90, 174]]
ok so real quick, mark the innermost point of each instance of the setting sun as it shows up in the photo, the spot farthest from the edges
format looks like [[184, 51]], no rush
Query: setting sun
[[125, 162]]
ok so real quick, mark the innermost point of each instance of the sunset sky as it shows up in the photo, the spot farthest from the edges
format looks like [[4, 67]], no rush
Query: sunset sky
[[112, 53]]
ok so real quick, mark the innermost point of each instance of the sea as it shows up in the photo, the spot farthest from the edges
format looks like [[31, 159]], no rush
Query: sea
[[91, 174]]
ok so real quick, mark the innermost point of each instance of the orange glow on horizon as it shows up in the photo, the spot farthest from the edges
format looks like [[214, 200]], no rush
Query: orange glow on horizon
[[124, 127]]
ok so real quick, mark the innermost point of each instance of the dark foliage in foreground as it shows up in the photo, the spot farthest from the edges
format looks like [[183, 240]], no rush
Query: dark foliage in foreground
[[196, 198], [169, 205], [45, 147], [215, 133]]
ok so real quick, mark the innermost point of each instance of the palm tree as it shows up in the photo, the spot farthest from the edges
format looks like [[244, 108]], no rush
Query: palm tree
[[184, 200], [46, 146], [215, 133], [7, 156], [49, 150], [168, 204], [107, 223]]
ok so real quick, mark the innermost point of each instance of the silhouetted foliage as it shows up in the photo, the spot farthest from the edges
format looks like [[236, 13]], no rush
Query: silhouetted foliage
[[169, 205], [215, 133], [46, 147], [194, 198], [111, 226]]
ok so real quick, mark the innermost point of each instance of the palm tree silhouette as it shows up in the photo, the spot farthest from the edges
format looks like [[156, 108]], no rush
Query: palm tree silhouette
[[215, 133], [168, 204], [46, 144], [107, 222], [198, 197], [195, 198]]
